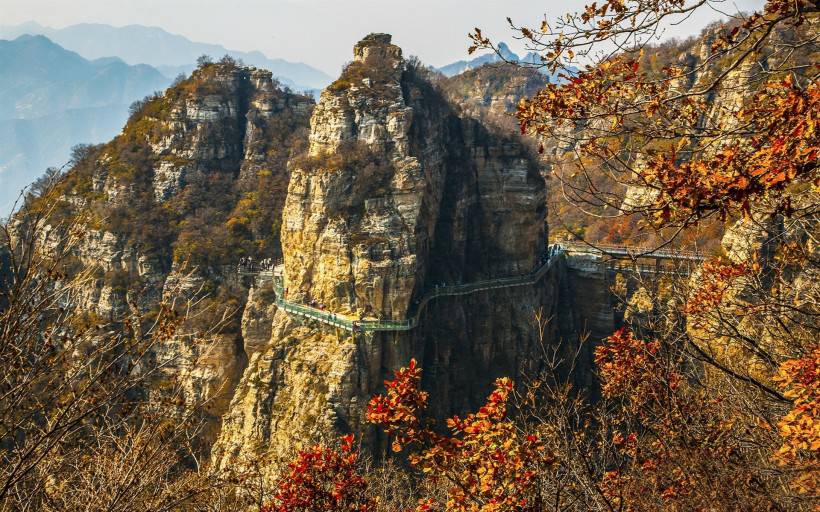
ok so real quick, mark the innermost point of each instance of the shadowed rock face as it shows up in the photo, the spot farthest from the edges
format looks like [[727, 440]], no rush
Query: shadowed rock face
[[399, 192]]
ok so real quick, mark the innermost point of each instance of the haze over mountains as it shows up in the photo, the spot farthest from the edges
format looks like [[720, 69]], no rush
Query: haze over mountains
[[52, 99], [62, 87], [506, 54], [40, 78], [170, 53]]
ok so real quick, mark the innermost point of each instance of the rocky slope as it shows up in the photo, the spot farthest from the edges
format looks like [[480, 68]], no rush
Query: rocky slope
[[194, 183], [494, 87], [379, 193]]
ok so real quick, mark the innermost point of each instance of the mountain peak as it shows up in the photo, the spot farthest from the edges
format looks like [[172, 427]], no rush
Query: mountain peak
[[505, 51], [34, 39], [376, 39], [377, 47], [172, 53]]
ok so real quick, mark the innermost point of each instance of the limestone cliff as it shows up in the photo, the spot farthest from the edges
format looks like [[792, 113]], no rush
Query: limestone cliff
[[195, 183], [383, 191], [399, 192]]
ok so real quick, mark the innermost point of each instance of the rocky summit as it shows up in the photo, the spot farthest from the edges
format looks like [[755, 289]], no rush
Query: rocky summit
[[398, 194]]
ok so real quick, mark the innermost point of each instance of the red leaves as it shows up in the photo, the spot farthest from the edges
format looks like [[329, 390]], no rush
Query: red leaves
[[321, 479], [486, 459], [671, 437], [717, 278], [693, 152], [398, 412], [784, 119], [629, 367], [598, 89]]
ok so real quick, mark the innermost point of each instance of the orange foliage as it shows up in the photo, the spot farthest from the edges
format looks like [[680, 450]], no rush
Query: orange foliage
[[631, 367], [676, 447], [800, 427], [398, 412], [784, 118], [488, 464], [717, 278], [680, 451]]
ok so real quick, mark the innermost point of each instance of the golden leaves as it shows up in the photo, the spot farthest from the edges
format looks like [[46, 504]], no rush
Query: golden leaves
[[800, 427], [489, 462]]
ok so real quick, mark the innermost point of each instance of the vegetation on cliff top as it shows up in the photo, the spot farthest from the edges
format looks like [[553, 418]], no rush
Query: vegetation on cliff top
[[226, 208]]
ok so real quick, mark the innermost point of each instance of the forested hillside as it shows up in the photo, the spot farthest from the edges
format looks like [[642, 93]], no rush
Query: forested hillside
[[252, 300]]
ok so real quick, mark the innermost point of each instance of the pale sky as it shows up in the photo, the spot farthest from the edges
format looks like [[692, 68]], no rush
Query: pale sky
[[321, 32]]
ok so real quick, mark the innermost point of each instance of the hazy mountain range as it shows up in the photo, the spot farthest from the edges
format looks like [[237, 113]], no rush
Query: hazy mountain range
[[52, 99], [64, 86], [170, 53], [61, 87], [40, 78], [461, 66]]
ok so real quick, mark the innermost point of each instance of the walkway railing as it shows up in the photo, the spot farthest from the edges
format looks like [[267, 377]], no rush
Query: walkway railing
[[351, 324], [268, 274], [600, 267], [633, 252]]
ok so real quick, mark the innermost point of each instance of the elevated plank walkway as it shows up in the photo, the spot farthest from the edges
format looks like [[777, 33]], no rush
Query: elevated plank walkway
[[633, 253], [555, 253]]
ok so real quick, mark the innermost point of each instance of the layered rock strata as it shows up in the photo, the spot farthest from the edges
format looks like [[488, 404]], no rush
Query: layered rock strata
[[169, 208]]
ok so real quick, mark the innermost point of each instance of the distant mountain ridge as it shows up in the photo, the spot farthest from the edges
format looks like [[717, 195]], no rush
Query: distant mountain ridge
[[461, 66], [40, 78], [52, 99], [532, 58], [170, 53]]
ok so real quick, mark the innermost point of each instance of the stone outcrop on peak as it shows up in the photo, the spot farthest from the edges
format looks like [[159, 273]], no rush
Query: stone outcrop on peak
[[382, 191]]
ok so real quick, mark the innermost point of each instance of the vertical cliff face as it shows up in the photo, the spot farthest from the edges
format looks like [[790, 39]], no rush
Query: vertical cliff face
[[399, 192], [392, 191]]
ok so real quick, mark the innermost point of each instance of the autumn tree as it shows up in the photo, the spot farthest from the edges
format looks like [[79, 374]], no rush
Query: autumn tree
[[323, 479], [479, 462], [709, 400], [705, 132]]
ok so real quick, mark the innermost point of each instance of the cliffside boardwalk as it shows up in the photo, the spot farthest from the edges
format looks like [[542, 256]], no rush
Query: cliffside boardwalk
[[273, 273]]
